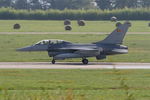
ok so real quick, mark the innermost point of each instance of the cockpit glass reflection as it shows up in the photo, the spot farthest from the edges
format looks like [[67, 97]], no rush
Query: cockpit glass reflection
[[45, 42]]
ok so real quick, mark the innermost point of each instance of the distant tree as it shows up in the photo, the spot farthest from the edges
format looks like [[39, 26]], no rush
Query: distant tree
[[46, 4], [5, 3], [71, 4], [21, 4], [132, 3], [145, 3], [104, 4], [82, 4], [35, 4], [125, 3]]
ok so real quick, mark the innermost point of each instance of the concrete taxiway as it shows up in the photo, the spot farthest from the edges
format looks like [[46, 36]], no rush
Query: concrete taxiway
[[72, 65]]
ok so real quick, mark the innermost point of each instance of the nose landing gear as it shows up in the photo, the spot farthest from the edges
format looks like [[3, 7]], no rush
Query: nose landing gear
[[53, 61]]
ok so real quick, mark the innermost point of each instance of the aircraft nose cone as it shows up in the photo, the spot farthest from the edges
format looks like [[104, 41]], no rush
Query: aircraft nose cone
[[24, 49]]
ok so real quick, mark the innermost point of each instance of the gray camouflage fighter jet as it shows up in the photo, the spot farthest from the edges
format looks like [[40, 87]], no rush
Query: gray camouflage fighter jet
[[60, 49]]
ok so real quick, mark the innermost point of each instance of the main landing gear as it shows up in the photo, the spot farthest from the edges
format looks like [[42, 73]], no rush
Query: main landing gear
[[53, 61], [85, 61]]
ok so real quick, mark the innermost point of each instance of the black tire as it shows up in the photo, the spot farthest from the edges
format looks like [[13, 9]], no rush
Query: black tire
[[85, 61], [53, 61]]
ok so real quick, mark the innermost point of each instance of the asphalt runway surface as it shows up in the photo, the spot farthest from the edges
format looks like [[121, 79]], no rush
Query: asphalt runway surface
[[72, 65]]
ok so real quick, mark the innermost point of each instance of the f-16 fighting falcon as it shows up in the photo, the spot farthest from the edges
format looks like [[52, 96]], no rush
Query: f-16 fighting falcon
[[60, 49]]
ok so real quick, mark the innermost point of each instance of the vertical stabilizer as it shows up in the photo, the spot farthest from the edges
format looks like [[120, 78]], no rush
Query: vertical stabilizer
[[117, 36]]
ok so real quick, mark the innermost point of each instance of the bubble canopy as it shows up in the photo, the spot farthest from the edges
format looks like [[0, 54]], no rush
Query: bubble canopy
[[53, 41]]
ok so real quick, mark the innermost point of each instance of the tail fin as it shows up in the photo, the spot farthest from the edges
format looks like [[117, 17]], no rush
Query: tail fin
[[117, 36]]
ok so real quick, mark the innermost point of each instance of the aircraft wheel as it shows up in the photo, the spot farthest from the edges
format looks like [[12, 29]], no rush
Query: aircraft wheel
[[85, 61], [53, 61]]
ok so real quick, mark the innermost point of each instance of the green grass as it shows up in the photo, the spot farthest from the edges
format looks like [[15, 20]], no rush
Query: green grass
[[139, 49], [66, 84], [57, 26]]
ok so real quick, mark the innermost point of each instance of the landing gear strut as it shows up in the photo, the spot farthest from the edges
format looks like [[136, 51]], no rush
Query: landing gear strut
[[85, 61], [53, 61]]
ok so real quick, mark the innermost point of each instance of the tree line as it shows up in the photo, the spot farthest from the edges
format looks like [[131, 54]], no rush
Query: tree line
[[91, 14], [74, 4]]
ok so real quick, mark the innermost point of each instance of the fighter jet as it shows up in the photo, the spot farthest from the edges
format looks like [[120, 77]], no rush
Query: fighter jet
[[60, 49]]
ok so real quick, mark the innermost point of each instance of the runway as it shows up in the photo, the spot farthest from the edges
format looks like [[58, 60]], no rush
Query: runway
[[72, 65]]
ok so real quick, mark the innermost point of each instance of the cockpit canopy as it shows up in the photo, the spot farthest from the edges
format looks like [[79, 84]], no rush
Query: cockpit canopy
[[46, 42]]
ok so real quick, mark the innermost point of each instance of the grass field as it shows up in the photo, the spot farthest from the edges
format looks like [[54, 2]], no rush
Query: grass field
[[139, 48], [57, 26], [74, 84]]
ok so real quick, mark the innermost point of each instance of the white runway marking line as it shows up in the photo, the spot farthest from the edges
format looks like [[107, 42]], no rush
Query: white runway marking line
[[73, 65]]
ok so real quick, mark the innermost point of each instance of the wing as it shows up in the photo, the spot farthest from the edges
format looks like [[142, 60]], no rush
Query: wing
[[83, 50]]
